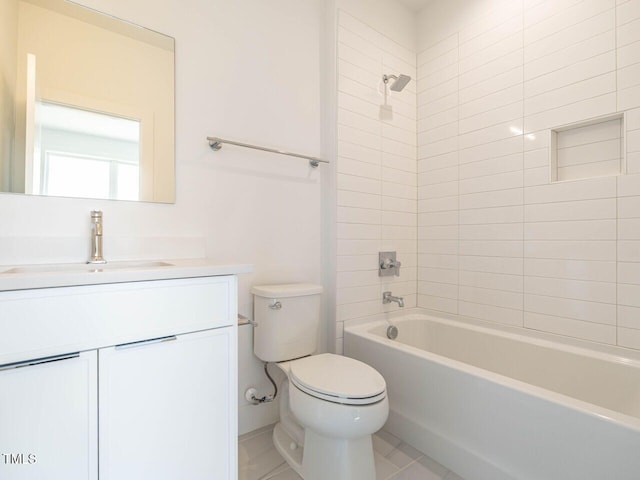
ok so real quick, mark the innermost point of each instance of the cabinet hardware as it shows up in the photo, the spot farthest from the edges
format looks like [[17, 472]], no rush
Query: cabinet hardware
[[143, 343], [39, 361]]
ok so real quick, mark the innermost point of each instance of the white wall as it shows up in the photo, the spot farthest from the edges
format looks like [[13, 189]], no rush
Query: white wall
[[244, 70], [497, 240]]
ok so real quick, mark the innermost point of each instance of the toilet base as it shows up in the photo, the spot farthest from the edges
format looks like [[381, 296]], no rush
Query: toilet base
[[290, 450], [337, 459]]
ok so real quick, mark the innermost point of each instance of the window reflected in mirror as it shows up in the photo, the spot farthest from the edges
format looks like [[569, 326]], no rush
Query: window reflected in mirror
[[84, 153]]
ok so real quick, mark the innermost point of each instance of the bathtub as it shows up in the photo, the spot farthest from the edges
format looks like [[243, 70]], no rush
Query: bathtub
[[493, 403]]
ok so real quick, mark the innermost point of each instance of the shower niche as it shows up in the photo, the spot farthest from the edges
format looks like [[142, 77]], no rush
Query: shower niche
[[593, 148]]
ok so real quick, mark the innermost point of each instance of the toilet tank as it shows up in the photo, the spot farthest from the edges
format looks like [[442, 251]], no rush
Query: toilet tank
[[288, 318]]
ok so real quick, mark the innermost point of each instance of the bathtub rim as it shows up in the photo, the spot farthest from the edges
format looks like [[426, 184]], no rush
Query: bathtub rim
[[363, 329]]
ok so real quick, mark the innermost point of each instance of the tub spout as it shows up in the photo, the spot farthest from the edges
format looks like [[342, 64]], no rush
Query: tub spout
[[388, 298]]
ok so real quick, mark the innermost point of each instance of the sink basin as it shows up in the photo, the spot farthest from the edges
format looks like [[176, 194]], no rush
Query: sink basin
[[84, 267]]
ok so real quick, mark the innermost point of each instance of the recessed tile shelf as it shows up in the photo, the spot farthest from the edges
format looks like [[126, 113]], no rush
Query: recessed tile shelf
[[594, 148]]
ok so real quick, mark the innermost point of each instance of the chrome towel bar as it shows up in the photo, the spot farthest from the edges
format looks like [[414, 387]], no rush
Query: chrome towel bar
[[216, 144]]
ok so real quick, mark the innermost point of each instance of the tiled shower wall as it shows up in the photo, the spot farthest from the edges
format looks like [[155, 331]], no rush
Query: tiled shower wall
[[496, 239], [376, 171]]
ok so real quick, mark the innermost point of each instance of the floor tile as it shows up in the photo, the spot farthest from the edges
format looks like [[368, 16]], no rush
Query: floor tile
[[403, 455], [422, 469]]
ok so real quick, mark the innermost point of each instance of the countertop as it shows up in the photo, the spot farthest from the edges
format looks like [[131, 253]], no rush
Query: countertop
[[22, 277]]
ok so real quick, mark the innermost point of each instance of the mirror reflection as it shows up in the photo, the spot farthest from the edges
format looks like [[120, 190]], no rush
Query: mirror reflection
[[86, 104]]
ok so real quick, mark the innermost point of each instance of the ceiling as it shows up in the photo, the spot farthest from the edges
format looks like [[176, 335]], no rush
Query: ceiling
[[415, 5]]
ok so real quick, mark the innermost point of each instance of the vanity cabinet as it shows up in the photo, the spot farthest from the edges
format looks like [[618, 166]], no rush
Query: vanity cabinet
[[120, 381], [48, 418]]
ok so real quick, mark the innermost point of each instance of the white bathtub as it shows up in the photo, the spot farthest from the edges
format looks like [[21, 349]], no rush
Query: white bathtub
[[493, 403]]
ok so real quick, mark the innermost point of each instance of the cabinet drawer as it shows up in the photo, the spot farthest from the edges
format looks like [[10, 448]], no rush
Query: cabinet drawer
[[51, 321]]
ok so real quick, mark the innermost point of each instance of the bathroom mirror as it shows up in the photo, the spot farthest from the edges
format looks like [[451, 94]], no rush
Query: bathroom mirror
[[86, 104]]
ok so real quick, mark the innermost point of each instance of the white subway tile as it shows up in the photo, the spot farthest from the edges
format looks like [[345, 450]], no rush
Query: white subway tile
[[407, 164], [492, 231], [495, 116], [571, 191], [434, 289], [492, 166], [359, 152], [602, 250], [492, 37], [353, 263], [357, 294], [594, 332], [629, 207], [438, 63], [352, 24], [438, 49], [590, 170], [400, 135], [628, 251], [536, 140], [351, 55], [362, 45], [406, 219], [356, 279], [398, 190], [358, 215], [500, 148], [573, 15], [629, 97], [438, 204], [570, 269], [438, 260], [357, 231], [356, 310], [357, 247], [438, 190], [440, 275], [440, 76], [489, 183], [629, 272], [628, 55], [491, 248], [393, 204], [490, 69], [563, 211], [501, 198], [497, 83], [561, 58], [628, 33], [438, 247], [581, 90], [592, 67], [438, 218], [629, 317], [571, 230], [567, 37], [499, 265], [430, 95], [359, 137], [437, 134], [494, 281], [536, 176], [357, 74], [430, 122], [348, 166], [355, 120], [476, 216], [604, 313], [438, 232], [601, 292], [629, 337], [358, 200], [399, 176], [357, 105], [629, 295], [438, 304], [438, 162], [358, 184], [485, 296], [442, 175], [628, 185], [399, 232], [489, 53], [491, 313], [536, 158]]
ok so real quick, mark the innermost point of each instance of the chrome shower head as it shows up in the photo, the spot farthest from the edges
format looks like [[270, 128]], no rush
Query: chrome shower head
[[399, 83]]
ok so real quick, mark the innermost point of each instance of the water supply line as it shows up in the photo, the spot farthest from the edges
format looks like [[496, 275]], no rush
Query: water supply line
[[250, 394]]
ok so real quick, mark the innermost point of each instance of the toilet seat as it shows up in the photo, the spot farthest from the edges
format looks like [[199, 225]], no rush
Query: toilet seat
[[337, 379]]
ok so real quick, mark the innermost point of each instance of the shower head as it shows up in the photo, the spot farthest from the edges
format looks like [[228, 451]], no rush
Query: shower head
[[399, 83]]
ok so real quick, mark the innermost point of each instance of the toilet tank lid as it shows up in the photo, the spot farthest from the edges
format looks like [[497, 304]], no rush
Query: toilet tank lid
[[287, 290]]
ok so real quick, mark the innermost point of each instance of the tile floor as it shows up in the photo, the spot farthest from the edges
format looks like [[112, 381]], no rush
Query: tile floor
[[395, 460]]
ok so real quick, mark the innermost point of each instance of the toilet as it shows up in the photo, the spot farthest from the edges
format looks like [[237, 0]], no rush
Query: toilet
[[330, 405]]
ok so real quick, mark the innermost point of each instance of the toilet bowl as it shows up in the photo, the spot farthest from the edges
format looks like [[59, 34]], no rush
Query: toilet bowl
[[339, 402], [330, 405]]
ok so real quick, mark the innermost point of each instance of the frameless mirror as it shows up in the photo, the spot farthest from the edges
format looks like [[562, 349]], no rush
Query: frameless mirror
[[86, 104]]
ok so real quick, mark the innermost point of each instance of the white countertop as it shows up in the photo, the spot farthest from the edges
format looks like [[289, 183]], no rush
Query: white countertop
[[22, 277]]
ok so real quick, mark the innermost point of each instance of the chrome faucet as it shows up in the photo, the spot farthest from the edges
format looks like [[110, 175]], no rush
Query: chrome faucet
[[388, 298], [96, 237]]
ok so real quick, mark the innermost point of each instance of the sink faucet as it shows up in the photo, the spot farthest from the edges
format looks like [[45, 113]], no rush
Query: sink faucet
[[388, 298], [96, 237]]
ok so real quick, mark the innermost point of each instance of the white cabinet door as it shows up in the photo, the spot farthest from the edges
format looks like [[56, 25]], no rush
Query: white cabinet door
[[48, 419], [167, 408]]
